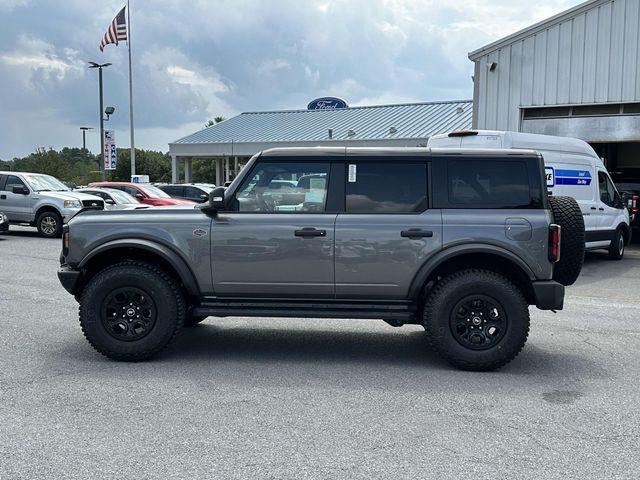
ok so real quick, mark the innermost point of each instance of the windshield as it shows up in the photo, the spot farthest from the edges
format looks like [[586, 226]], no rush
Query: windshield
[[154, 192], [45, 183], [122, 197]]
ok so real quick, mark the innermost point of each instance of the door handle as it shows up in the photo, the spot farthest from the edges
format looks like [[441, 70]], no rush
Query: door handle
[[601, 209], [3, 197], [310, 232], [416, 233], [593, 208]]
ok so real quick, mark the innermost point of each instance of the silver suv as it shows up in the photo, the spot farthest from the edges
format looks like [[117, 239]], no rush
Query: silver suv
[[41, 201], [459, 242]]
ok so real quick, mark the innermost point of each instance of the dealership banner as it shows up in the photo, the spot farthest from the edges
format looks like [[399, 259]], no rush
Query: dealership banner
[[109, 154]]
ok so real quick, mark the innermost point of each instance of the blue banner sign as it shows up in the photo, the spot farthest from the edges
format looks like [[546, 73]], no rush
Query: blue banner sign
[[572, 177], [327, 103]]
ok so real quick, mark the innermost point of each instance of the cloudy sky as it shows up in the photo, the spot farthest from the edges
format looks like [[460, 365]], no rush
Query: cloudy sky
[[198, 59]]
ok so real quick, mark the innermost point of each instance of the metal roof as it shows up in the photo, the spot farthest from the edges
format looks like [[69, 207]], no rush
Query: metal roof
[[380, 125]]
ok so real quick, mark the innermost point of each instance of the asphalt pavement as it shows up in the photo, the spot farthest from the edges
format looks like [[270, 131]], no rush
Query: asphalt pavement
[[295, 399]]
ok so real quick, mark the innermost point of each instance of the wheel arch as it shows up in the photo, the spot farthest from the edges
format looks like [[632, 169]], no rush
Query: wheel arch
[[143, 250], [626, 231], [489, 257], [47, 207]]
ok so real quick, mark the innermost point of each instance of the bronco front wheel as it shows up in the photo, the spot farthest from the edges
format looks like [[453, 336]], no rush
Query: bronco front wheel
[[131, 311]]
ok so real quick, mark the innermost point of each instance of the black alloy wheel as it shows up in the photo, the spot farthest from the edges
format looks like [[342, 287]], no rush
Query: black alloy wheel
[[128, 313], [478, 322]]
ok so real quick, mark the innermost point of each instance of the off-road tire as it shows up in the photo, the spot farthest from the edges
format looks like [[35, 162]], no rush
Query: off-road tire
[[193, 320], [567, 214], [163, 291], [49, 224], [616, 249], [439, 307]]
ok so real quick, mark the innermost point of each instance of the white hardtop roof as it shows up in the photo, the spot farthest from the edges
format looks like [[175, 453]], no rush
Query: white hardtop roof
[[533, 141]]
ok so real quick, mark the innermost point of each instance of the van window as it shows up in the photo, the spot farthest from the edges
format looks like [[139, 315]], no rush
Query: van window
[[607, 190], [386, 187], [487, 183]]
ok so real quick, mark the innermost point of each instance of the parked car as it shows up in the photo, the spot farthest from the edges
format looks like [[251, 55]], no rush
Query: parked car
[[113, 199], [196, 192], [627, 182], [41, 201], [144, 192], [572, 168], [381, 233], [4, 223]]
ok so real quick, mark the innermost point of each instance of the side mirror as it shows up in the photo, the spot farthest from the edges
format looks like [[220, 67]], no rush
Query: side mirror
[[20, 190], [216, 199], [204, 197], [109, 201], [139, 196]]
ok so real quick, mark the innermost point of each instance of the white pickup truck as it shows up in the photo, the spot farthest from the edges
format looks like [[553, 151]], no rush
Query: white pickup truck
[[41, 201]]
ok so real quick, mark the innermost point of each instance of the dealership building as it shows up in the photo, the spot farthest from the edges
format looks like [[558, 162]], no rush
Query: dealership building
[[232, 142], [576, 74]]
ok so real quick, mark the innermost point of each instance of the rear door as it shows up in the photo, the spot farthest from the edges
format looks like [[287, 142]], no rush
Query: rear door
[[388, 230], [275, 243]]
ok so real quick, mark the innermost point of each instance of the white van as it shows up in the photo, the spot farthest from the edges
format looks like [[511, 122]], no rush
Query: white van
[[573, 169]]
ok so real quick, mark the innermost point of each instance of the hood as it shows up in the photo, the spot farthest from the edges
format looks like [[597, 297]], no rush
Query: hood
[[70, 195]]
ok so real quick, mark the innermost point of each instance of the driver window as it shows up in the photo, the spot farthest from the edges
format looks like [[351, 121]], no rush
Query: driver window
[[13, 181], [607, 190], [299, 187]]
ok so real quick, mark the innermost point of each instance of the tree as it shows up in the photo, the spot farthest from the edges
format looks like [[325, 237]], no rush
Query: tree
[[214, 121], [155, 164]]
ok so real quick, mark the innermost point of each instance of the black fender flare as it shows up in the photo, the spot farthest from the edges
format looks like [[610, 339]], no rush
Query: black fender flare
[[167, 254], [462, 249]]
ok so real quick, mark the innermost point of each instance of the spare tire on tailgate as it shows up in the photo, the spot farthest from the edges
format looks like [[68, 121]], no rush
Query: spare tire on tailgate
[[567, 214]]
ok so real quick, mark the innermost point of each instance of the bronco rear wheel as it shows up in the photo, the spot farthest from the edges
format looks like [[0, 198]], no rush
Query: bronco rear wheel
[[567, 214], [131, 310], [476, 319]]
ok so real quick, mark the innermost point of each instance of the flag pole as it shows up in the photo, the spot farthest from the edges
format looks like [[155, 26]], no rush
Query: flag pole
[[133, 147]]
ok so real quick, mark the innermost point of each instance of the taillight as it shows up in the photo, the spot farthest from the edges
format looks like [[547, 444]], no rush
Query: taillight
[[635, 202], [554, 242]]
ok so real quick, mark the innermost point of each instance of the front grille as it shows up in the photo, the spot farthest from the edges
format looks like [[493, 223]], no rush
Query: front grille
[[97, 204]]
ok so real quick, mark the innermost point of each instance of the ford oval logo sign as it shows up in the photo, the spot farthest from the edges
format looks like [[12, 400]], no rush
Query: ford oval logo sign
[[327, 103]]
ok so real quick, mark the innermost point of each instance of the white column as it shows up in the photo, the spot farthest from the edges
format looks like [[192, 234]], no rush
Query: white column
[[187, 170], [219, 181], [235, 166], [226, 169], [174, 169]]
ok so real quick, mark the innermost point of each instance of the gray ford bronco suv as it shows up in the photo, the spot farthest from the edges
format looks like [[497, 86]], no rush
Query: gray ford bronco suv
[[461, 242]]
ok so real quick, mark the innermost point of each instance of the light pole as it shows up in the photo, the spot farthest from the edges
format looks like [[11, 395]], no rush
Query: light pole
[[99, 66], [84, 151]]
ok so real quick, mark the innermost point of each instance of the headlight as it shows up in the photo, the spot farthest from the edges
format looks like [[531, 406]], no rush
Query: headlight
[[3, 218], [72, 204]]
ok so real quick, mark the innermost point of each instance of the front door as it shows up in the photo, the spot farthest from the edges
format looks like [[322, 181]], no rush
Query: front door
[[387, 231], [15, 205], [276, 239], [608, 208]]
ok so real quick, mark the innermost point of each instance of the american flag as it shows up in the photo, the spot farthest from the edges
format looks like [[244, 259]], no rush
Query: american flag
[[117, 30]]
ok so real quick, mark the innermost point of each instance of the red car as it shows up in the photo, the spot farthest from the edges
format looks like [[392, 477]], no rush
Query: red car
[[144, 192]]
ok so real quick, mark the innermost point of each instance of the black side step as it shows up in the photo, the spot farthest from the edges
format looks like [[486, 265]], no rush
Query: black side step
[[401, 310]]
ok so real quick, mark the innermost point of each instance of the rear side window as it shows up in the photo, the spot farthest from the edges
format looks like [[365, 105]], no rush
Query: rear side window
[[386, 187], [487, 183]]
